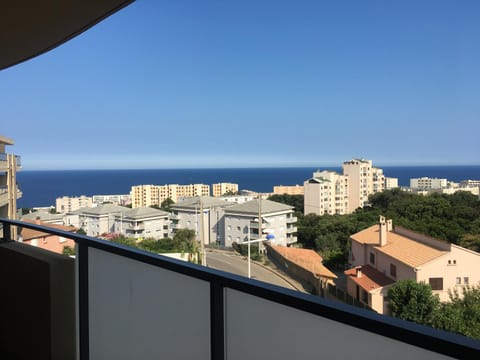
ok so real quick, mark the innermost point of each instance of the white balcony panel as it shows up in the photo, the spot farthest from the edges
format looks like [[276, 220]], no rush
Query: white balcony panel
[[138, 311], [260, 329]]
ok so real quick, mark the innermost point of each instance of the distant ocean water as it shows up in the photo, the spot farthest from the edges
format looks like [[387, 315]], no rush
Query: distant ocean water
[[41, 188]]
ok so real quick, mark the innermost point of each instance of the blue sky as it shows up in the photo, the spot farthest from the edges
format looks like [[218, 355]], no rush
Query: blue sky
[[172, 84]]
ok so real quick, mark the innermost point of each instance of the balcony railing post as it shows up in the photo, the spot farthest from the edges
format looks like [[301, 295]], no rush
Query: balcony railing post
[[7, 232], [217, 325], [83, 299]]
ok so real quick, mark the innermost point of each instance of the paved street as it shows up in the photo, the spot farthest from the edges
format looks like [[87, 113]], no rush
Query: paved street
[[236, 264]]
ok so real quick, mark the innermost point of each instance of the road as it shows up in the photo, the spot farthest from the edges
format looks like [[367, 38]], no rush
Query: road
[[236, 264]]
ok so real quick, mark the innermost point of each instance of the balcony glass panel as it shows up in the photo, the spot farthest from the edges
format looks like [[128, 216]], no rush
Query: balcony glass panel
[[262, 329], [134, 307]]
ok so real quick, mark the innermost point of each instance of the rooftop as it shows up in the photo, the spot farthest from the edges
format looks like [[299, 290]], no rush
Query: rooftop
[[370, 279], [33, 234], [251, 207], [403, 248], [305, 258]]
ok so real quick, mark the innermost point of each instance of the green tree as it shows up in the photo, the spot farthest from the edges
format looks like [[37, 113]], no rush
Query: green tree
[[166, 204], [297, 201], [413, 301], [185, 238], [68, 250], [462, 314]]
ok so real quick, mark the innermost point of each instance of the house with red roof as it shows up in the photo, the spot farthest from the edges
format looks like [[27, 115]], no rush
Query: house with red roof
[[383, 254], [47, 241]]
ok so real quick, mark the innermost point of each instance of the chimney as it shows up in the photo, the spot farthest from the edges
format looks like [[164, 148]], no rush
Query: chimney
[[383, 231], [37, 220], [358, 272], [389, 225]]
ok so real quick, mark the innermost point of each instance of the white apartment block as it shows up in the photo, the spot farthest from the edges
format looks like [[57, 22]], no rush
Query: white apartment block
[[470, 183], [221, 189], [123, 199], [9, 192], [428, 183], [391, 183], [187, 215], [363, 180], [326, 193], [143, 222], [288, 189], [278, 223], [148, 195], [67, 204]]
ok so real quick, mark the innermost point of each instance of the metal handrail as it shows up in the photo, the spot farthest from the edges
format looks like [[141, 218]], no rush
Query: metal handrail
[[421, 336]]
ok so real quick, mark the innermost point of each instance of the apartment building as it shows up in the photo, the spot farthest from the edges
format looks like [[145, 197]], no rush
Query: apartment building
[[278, 223], [382, 255], [221, 189], [67, 204], [148, 195], [9, 191], [326, 193], [122, 199], [363, 180], [289, 190], [427, 183], [142, 222], [187, 214]]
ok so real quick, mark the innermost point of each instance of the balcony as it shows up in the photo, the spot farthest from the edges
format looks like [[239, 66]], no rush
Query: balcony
[[292, 229], [291, 239], [136, 305], [292, 219]]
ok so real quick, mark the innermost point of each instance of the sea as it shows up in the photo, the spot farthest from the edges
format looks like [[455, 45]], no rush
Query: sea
[[41, 188]]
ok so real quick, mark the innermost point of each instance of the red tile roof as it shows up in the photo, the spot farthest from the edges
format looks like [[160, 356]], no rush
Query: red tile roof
[[28, 234], [305, 258], [370, 279]]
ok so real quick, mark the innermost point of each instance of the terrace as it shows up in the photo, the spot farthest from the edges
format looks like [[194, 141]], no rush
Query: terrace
[[115, 302]]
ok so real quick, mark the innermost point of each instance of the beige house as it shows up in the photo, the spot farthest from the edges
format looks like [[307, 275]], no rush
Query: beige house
[[326, 193], [9, 192], [397, 253]]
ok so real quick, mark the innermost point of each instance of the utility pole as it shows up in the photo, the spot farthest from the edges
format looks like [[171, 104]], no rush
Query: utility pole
[[202, 235]]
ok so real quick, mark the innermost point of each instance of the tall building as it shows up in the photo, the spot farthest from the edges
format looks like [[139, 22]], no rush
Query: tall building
[[330, 193], [221, 189], [148, 195], [9, 192], [326, 193]]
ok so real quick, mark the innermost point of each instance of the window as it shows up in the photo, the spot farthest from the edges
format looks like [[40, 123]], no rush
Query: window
[[364, 297], [393, 270], [465, 280], [458, 280], [436, 283], [239, 228], [372, 258]]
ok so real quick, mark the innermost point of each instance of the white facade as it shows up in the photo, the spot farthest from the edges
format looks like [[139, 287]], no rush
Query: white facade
[[123, 199], [187, 215], [67, 204], [9, 192], [278, 223], [391, 183], [428, 183], [326, 193], [143, 223]]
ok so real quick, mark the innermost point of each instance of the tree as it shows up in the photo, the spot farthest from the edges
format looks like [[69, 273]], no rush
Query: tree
[[68, 250], [185, 238], [462, 314], [412, 301], [166, 204]]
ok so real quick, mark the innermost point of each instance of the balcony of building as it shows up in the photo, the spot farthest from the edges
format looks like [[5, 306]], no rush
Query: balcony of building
[[115, 302], [292, 219]]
